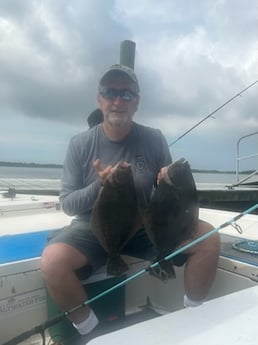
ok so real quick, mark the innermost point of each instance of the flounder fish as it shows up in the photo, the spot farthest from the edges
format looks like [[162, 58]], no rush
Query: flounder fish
[[114, 216], [172, 214]]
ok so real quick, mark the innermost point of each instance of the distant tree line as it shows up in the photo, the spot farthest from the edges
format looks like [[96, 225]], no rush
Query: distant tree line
[[223, 172], [38, 165], [29, 165]]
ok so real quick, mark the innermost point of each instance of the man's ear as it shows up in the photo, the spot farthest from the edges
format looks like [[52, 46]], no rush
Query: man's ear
[[98, 98], [137, 103]]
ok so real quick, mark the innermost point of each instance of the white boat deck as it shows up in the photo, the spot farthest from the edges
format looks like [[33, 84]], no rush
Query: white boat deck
[[230, 320], [22, 285], [29, 184], [30, 213]]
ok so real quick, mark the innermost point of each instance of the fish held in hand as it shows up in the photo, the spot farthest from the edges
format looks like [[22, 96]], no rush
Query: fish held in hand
[[172, 214], [114, 216]]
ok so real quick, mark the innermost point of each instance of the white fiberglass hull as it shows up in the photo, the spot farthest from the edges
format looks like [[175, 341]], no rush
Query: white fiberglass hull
[[23, 293]]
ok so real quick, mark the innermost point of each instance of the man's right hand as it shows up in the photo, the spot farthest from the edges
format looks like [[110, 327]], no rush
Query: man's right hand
[[102, 173], [162, 174]]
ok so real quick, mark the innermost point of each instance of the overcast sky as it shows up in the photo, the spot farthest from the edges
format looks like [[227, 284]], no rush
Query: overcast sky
[[191, 57]]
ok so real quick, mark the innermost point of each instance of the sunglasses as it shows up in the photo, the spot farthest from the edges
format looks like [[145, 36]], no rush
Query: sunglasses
[[112, 94]]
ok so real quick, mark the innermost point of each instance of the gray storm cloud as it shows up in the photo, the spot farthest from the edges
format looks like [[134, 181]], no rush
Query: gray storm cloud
[[53, 53], [190, 58]]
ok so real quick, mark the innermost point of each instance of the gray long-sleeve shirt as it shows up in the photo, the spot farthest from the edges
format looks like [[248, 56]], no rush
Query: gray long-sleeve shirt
[[144, 148]]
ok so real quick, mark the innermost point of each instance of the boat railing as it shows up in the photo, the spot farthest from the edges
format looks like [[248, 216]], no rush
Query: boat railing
[[240, 158]]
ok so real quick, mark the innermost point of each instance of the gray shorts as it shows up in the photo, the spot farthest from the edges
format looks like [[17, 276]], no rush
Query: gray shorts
[[79, 235]]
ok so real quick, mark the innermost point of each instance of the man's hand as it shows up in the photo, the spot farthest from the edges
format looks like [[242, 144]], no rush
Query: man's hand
[[103, 173], [106, 173], [162, 174]]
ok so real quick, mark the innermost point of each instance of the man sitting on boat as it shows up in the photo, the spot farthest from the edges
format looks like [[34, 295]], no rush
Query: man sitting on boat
[[90, 158]]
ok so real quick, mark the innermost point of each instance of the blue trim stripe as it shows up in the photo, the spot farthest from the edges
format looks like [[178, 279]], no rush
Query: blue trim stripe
[[22, 246]]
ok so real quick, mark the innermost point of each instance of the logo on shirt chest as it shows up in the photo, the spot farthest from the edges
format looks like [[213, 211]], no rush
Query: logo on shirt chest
[[140, 163]]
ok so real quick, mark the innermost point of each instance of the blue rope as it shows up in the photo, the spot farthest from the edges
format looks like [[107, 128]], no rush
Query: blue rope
[[168, 257]]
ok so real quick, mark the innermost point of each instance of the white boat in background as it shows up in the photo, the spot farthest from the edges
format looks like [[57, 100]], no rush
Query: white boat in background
[[25, 222]]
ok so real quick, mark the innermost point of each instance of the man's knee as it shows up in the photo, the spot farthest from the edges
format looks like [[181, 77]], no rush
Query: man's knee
[[51, 262], [209, 244], [59, 259], [213, 240]]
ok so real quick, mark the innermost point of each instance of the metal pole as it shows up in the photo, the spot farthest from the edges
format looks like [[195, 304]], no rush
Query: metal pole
[[127, 53], [238, 154]]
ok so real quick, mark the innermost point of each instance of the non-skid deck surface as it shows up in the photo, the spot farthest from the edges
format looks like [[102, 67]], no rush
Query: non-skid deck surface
[[229, 252]]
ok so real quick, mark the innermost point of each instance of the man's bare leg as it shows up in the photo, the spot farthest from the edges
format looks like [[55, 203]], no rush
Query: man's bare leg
[[201, 266], [58, 265]]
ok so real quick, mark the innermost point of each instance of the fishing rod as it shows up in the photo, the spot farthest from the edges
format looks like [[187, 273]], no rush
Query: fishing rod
[[213, 112], [42, 327]]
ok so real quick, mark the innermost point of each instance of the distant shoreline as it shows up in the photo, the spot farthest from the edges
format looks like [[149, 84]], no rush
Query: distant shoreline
[[38, 165], [29, 165]]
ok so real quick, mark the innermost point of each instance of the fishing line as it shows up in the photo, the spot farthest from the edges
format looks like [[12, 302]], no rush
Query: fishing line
[[213, 112], [40, 328]]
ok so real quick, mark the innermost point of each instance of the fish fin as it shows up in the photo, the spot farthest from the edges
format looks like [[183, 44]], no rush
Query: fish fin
[[116, 266]]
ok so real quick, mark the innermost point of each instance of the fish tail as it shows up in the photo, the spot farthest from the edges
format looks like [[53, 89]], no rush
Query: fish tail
[[164, 271], [116, 266], [167, 266]]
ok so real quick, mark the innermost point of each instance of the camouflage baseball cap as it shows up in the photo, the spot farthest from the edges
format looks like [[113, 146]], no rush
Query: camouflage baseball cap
[[119, 69]]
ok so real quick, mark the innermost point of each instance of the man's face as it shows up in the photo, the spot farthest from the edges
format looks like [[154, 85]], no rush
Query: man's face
[[117, 104]]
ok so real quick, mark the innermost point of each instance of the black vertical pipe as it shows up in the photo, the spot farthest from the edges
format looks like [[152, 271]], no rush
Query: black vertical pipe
[[127, 53]]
